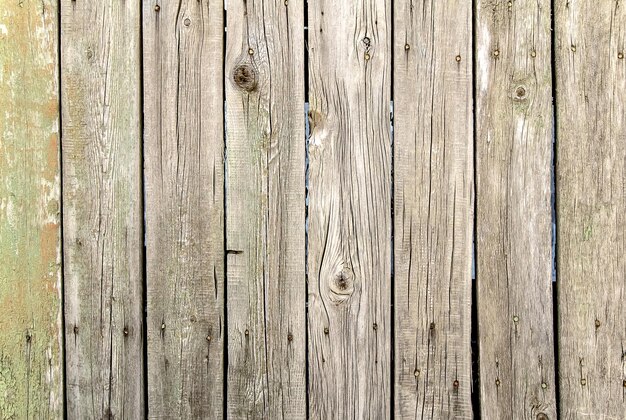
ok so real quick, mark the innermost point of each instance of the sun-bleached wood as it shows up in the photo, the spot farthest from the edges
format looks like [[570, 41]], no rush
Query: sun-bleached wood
[[514, 127], [265, 202], [102, 209], [433, 182], [31, 349], [184, 189], [591, 207], [349, 237]]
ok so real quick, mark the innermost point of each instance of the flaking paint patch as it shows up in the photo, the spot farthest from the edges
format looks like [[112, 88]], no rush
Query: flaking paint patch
[[30, 275]]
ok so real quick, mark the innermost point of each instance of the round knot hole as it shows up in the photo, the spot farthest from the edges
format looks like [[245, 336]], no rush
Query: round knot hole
[[520, 92], [342, 286], [244, 77]]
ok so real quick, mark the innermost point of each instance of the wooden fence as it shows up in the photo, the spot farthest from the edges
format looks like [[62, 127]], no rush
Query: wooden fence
[[178, 240]]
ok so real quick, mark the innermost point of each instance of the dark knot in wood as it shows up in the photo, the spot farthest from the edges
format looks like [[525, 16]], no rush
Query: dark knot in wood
[[521, 93], [342, 286], [244, 77]]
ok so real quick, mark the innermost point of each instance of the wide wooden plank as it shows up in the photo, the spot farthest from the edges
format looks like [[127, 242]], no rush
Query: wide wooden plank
[[265, 200], [31, 358], [591, 207], [349, 238], [514, 127], [102, 209], [184, 188], [433, 183]]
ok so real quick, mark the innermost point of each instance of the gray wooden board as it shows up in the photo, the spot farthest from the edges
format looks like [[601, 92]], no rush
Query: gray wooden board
[[184, 189], [349, 238], [433, 208], [102, 208], [514, 127], [591, 207], [265, 199]]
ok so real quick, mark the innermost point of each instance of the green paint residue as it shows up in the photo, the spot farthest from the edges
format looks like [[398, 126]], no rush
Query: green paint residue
[[30, 312]]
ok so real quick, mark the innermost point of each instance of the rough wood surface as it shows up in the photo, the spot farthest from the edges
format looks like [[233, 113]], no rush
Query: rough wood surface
[[31, 359], [102, 212], [349, 239], [591, 207], [265, 199], [184, 184], [513, 203], [433, 182]]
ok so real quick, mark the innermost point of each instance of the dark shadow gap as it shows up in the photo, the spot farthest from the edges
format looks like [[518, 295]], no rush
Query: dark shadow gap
[[224, 192], [61, 212], [474, 329], [306, 205], [144, 291], [392, 317], [554, 202]]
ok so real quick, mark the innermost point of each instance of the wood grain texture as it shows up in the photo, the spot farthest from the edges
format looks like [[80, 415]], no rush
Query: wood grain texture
[[265, 202], [514, 127], [433, 183], [591, 207], [102, 217], [184, 184], [349, 239], [31, 358]]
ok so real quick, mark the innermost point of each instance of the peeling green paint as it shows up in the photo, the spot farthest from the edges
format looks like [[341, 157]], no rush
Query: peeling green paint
[[31, 374]]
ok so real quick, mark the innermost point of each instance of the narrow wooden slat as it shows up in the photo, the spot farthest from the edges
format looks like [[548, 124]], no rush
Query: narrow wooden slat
[[31, 359], [102, 218], [591, 207], [433, 182], [349, 240], [514, 227], [184, 184], [265, 201]]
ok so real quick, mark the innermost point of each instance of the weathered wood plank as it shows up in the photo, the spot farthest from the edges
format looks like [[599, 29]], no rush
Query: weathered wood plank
[[349, 260], [591, 207], [102, 217], [265, 201], [31, 359], [184, 184], [513, 203], [433, 182]]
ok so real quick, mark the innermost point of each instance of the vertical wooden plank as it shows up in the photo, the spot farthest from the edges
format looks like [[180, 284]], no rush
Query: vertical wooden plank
[[31, 359], [591, 207], [184, 176], [433, 183], [513, 203], [349, 260], [102, 218], [265, 209]]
